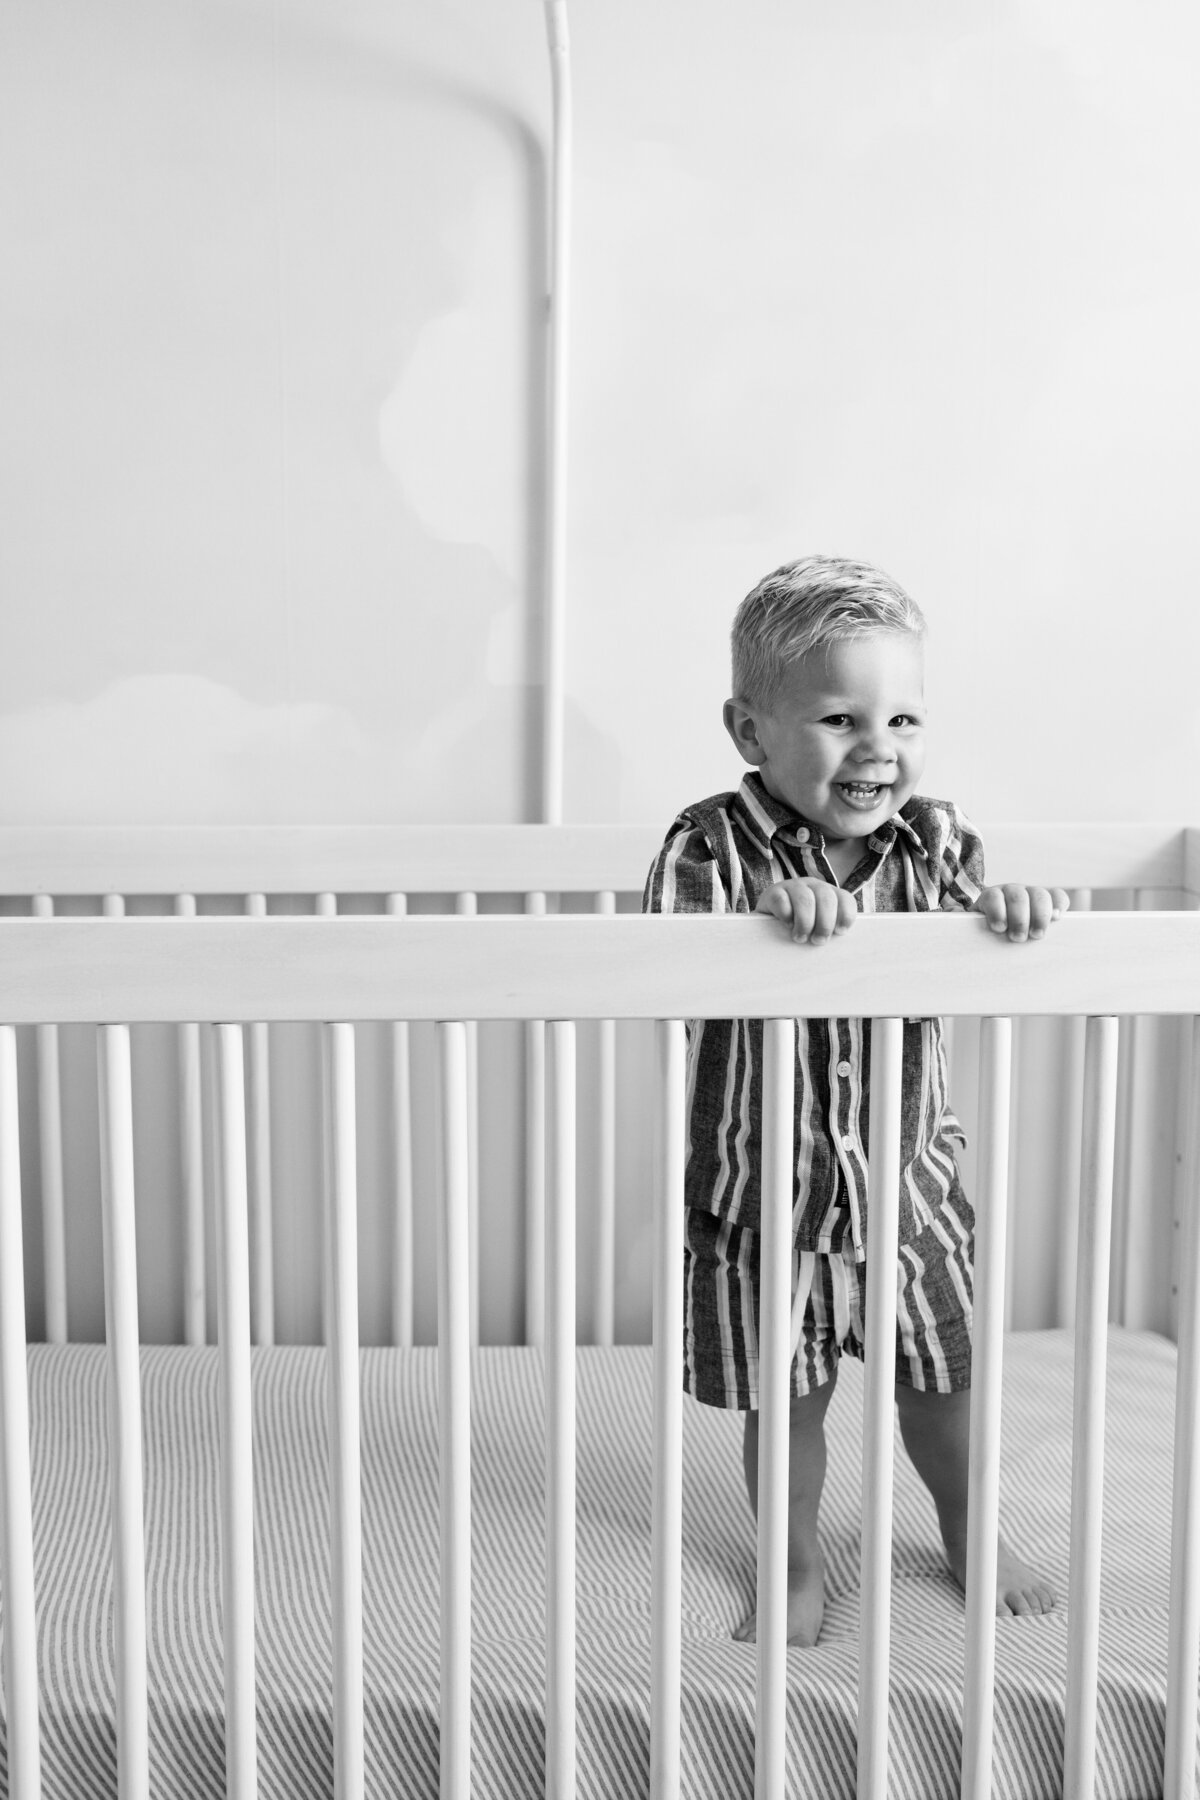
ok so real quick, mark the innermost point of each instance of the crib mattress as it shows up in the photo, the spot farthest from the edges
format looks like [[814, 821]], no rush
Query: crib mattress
[[400, 1526]]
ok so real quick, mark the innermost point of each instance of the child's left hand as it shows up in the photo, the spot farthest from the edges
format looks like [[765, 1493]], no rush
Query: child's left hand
[[1024, 912]]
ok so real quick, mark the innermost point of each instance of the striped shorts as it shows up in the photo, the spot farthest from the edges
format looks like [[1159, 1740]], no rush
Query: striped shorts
[[720, 1323]]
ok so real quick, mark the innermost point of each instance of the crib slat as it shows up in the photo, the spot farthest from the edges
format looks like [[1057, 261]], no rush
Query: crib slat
[[1017, 1063], [341, 1249], [666, 1533], [535, 1182], [262, 1226], [774, 1383], [402, 1167], [124, 1409], [606, 1161], [883, 1212], [1133, 1243], [1183, 1631], [535, 1164], [191, 1119], [325, 907], [1127, 1081], [1087, 1440], [466, 905], [210, 1155], [402, 1212], [560, 1413], [54, 1231], [1068, 1215], [1183, 1172], [454, 1398], [16, 1505], [262, 1211], [983, 1516], [191, 1143], [237, 1492]]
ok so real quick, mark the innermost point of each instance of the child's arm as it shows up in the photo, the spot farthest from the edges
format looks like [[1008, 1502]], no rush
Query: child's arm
[[1024, 912], [815, 909]]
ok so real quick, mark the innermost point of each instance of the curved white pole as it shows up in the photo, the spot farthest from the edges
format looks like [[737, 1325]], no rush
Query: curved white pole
[[554, 634]]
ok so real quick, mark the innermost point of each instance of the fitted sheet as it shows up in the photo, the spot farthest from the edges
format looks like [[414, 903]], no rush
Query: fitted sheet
[[400, 1545]]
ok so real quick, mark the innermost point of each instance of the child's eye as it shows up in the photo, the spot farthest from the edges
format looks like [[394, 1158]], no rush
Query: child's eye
[[836, 719], [905, 719]]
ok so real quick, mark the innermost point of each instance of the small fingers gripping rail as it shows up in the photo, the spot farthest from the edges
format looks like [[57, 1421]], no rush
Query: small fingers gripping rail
[[230, 973]]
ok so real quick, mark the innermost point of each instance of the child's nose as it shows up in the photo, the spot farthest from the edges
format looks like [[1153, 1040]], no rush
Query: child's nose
[[875, 745]]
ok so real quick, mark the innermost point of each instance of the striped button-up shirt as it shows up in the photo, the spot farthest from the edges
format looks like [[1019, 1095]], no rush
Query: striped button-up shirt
[[720, 856]]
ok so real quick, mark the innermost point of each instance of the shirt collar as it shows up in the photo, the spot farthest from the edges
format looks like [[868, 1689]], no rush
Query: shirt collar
[[766, 818]]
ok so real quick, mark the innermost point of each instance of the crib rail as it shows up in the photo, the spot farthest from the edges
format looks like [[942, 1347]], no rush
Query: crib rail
[[116, 970], [585, 967], [540, 869]]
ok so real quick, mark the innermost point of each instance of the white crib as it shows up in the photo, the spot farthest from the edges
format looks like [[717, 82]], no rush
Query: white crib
[[194, 969]]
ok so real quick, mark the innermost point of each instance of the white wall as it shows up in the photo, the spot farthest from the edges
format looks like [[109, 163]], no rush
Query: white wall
[[917, 283]]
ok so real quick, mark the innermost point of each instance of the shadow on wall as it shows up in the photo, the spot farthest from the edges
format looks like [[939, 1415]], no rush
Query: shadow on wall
[[181, 749]]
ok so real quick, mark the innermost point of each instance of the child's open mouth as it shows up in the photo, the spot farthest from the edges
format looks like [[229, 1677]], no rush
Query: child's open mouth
[[864, 794]]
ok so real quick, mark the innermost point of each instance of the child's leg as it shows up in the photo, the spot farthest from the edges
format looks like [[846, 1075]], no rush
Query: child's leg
[[806, 1478], [936, 1432]]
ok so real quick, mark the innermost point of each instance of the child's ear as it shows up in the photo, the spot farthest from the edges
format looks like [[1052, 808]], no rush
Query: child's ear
[[742, 726]]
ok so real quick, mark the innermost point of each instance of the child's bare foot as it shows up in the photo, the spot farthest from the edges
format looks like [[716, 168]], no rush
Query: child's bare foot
[[937, 1431], [805, 1607], [1020, 1590]]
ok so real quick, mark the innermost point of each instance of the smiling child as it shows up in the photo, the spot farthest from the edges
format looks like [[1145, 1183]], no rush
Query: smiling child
[[828, 708]]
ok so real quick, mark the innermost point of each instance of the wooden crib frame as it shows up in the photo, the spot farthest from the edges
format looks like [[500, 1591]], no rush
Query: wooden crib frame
[[229, 972]]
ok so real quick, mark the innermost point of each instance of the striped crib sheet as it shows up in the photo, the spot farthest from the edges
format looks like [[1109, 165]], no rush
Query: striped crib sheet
[[400, 1513]]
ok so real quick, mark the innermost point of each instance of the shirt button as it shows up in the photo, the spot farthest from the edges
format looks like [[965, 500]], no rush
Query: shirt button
[[802, 836], [843, 1068]]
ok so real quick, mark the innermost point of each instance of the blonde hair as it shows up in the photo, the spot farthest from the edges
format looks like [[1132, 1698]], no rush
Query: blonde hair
[[813, 601]]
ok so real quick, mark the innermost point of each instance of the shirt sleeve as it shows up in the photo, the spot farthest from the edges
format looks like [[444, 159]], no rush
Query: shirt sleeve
[[961, 877], [685, 876]]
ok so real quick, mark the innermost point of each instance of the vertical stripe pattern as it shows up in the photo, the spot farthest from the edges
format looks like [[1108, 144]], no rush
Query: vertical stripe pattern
[[721, 856]]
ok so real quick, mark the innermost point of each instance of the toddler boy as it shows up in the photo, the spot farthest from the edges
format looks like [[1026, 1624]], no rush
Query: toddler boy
[[828, 709]]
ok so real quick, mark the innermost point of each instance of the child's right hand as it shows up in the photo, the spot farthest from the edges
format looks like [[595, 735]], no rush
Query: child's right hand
[[815, 909]]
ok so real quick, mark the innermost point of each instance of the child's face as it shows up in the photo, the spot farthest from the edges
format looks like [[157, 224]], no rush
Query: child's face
[[844, 739]]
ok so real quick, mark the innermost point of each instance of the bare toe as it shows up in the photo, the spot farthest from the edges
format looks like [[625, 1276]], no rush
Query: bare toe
[[1020, 1590]]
